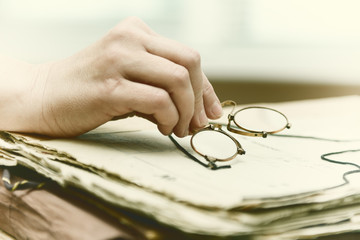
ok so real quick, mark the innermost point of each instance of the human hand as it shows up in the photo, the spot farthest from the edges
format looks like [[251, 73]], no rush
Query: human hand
[[132, 70]]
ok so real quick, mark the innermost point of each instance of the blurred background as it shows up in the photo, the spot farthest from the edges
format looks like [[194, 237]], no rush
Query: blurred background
[[252, 50]]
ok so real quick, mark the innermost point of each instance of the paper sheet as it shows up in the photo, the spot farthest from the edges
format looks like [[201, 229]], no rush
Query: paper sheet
[[274, 167], [283, 178]]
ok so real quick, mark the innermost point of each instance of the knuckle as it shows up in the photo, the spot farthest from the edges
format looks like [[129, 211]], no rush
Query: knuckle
[[131, 28], [133, 20], [193, 57], [180, 76], [120, 42], [121, 32], [161, 100]]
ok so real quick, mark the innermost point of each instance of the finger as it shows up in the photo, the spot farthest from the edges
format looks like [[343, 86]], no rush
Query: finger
[[160, 72], [188, 58], [212, 104], [145, 99]]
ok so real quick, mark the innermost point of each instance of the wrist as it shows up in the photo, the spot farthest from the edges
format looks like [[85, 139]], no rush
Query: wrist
[[19, 98]]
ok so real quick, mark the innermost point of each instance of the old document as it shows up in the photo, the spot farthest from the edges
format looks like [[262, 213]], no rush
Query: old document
[[269, 191]]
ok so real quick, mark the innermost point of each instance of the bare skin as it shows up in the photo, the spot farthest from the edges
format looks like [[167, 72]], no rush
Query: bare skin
[[131, 70]]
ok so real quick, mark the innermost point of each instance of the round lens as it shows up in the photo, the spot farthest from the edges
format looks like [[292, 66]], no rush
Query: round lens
[[214, 144], [260, 119]]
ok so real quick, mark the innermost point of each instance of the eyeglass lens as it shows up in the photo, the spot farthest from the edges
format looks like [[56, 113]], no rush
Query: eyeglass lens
[[260, 119], [214, 144]]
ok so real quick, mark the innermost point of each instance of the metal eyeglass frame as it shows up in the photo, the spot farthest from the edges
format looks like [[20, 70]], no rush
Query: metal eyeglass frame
[[249, 132], [238, 130]]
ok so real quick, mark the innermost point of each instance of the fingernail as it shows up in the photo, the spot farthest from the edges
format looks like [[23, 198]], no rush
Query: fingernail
[[216, 109], [203, 120]]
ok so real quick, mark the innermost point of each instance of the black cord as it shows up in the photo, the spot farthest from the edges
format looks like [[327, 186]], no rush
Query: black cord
[[314, 138], [325, 158], [210, 165]]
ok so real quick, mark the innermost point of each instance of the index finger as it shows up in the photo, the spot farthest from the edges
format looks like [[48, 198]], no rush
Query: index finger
[[190, 59]]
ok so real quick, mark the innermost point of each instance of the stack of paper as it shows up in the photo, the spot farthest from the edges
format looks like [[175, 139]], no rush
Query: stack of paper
[[280, 189]]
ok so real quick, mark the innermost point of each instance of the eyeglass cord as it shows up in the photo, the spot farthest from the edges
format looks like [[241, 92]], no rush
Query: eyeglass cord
[[25, 184], [210, 165], [324, 156]]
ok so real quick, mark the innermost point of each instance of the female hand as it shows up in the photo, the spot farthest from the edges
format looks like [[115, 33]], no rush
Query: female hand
[[131, 70]]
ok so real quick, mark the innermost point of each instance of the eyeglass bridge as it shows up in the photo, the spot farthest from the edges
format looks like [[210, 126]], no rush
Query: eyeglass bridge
[[232, 127]]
